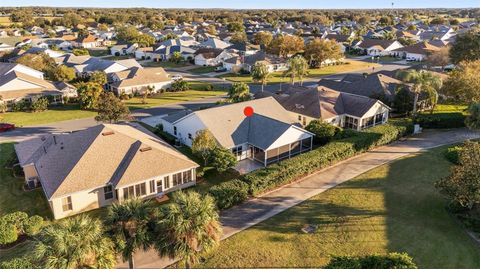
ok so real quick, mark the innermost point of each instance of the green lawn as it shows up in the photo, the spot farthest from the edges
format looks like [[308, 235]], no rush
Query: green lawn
[[98, 52], [446, 108], [394, 207], [53, 114], [165, 64], [171, 98], [117, 58], [277, 77], [202, 69]]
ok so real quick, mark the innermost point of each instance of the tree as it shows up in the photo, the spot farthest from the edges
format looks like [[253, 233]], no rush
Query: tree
[[297, 67], [262, 38], [440, 57], [422, 81], [41, 61], [176, 57], [88, 94], [180, 85], [323, 131], [472, 121], [203, 144], [76, 242], [285, 45], [462, 186], [188, 227], [98, 77], [466, 47], [235, 27], [143, 40], [403, 101], [127, 33], [61, 73], [80, 52], [211, 29], [463, 83], [239, 37], [147, 91], [239, 92], [223, 159], [128, 224], [260, 73], [40, 104], [319, 50], [111, 109]]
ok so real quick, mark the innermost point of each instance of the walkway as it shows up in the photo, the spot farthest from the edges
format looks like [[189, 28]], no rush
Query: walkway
[[257, 210]]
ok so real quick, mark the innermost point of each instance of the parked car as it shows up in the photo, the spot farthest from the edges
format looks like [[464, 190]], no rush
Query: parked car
[[219, 69], [177, 77], [6, 127]]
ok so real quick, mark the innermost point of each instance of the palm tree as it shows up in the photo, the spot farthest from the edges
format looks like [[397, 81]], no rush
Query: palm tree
[[129, 224], [297, 67], [422, 81], [260, 73], [188, 227], [77, 242]]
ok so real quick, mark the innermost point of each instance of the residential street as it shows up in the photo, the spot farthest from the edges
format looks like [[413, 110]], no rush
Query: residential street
[[256, 210]]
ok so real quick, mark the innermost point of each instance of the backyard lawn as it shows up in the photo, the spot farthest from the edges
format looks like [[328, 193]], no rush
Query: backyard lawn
[[53, 114], [171, 98], [97, 52], [203, 69], [165, 64], [394, 207], [277, 77]]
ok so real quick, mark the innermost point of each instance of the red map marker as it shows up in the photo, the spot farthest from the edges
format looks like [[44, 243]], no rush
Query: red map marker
[[248, 111]]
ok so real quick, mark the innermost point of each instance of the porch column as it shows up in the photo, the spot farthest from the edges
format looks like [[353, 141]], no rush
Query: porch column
[[265, 158], [311, 142]]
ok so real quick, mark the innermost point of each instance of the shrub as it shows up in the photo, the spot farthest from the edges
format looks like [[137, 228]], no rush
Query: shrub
[[389, 261], [287, 171], [170, 139], [230, 193], [17, 219], [32, 225], [21, 105], [452, 154], [8, 232], [17, 263], [180, 86], [41, 104], [324, 132], [222, 159], [441, 120]]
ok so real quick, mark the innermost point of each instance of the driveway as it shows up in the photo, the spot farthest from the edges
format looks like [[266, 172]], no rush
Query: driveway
[[259, 209]]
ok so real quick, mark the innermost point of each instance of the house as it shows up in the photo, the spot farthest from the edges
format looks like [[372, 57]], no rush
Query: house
[[100, 165], [341, 109], [85, 64], [273, 62], [3, 33], [378, 47], [440, 33], [5, 47], [416, 52], [86, 42], [269, 135], [376, 85], [19, 82], [215, 43], [163, 53], [137, 80], [123, 49], [210, 56]]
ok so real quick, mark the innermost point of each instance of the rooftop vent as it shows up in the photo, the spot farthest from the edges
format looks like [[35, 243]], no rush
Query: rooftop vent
[[145, 149], [107, 133]]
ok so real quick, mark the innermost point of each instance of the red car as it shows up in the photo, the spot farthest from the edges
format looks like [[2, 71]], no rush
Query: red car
[[6, 127]]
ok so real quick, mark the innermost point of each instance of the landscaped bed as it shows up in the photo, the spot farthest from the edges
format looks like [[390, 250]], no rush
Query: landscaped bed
[[394, 207]]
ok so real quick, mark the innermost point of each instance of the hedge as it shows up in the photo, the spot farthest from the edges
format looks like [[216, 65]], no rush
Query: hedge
[[18, 223], [389, 261], [17, 263], [441, 120], [8, 232], [287, 171], [230, 193], [452, 154]]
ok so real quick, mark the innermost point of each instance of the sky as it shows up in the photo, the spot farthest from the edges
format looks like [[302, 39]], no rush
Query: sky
[[249, 4]]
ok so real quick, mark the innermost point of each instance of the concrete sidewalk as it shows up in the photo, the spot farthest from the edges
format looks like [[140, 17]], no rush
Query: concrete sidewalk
[[259, 209]]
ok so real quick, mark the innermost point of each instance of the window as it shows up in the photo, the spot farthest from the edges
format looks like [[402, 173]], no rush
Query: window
[[367, 122], [237, 151], [128, 192], [190, 136], [174, 130], [177, 179], [159, 185], [140, 190], [108, 192], [379, 118], [187, 176], [351, 123], [152, 186], [67, 203], [167, 182], [299, 117]]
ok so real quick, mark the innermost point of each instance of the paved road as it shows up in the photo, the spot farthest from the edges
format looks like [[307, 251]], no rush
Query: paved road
[[257, 210], [74, 125]]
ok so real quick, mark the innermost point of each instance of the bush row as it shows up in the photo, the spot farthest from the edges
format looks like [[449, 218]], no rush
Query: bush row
[[18, 223], [389, 261], [347, 145], [441, 120], [287, 171]]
